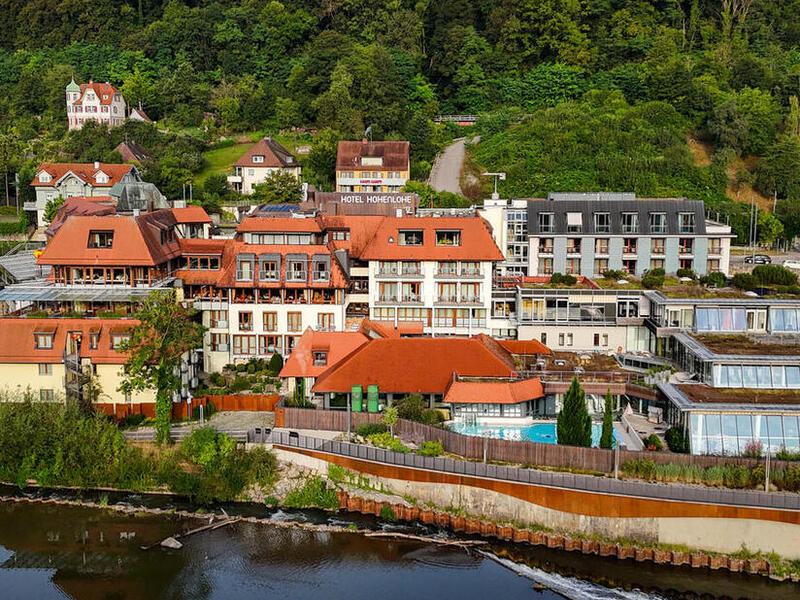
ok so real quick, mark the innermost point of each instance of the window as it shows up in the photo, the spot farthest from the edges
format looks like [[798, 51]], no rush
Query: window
[[268, 270], [630, 222], [269, 344], [410, 268], [383, 314], [219, 342], [294, 321], [600, 266], [574, 222], [270, 321], [47, 395], [447, 292], [658, 222], [685, 222], [410, 237], [320, 358], [296, 270], [251, 172], [543, 338], [601, 246], [602, 222], [387, 267], [545, 266], [244, 344], [44, 341], [471, 269], [656, 263], [470, 292], [244, 269], [629, 266], [448, 268], [219, 318], [657, 246], [686, 245], [546, 224], [714, 246], [712, 264], [45, 369], [629, 245], [573, 246], [245, 321], [387, 292], [94, 340], [340, 235], [201, 263], [565, 339], [687, 263], [545, 245], [44, 177], [573, 266], [117, 339], [627, 308], [167, 235], [411, 291], [448, 238], [101, 239], [325, 322], [321, 272], [451, 317], [415, 315], [756, 319], [258, 158]]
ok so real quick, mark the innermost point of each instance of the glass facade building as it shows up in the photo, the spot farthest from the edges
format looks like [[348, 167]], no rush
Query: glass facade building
[[729, 433]]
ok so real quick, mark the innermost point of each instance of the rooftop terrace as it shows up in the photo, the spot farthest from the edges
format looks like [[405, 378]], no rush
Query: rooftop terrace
[[745, 345]]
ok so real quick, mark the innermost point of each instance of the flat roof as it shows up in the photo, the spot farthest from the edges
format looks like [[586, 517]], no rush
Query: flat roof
[[44, 292], [699, 349], [691, 397], [23, 266]]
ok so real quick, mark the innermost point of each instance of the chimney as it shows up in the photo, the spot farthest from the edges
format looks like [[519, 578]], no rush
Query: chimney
[[136, 212], [96, 165]]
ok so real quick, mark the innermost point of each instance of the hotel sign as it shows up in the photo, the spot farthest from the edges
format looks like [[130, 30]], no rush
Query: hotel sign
[[403, 199]]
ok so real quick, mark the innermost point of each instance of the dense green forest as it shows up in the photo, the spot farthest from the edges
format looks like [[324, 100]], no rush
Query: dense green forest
[[573, 94]]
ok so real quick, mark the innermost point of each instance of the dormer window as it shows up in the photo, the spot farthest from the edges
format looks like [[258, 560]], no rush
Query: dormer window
[[167, 235], [258, 158], [94, 340], [320, 358], [117, 338], [448, 238], [101, 239], [574, 222], [44, 341], [105, 96], [44, 177], [410, 237], [101, 177]]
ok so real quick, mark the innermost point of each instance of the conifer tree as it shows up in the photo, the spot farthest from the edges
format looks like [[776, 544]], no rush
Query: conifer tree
[[607, 437], [574, 425]]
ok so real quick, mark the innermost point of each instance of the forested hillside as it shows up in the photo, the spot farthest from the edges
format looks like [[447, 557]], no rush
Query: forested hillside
[[576, 95]]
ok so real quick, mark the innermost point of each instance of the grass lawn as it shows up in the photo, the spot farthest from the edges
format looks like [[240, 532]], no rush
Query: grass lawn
[[220, 159]]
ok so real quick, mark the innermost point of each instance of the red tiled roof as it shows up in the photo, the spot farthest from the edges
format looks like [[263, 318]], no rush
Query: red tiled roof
[[191, 214], [80, 206], [362, 229], [394, 154], [476, 240], [142, 114], [17, 343], [278, 224], [388, 329], [100, 90], [137, 241], [338, 344], [522, 347], [413, 365], [130, 151], [83, 171], [494, 392], [202, 246], [275, 156]]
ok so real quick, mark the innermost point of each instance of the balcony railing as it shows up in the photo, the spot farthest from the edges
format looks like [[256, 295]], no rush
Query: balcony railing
[[387, 298], [467, 272], [244, 276], [629, 250], [686, 250], [573, 249], [715, 250], [296, 276], [658, 229], [470, 299], [412, 270], [387, 271], [545, 249], [447, 298], [657, 250], [447, 272], [412, 298], [601, 250], [268, 276]]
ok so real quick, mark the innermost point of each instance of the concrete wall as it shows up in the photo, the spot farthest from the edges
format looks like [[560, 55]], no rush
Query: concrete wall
[[669, 523]]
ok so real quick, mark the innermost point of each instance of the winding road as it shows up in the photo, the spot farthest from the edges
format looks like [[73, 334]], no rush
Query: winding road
[[446, 171]]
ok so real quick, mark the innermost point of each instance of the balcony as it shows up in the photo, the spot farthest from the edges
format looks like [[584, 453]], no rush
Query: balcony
[[412, 298], [388, 271], [448, 299], [467, 272], [387, 298], [686, 250], [297, 277], [413, 270], [545, 249], [629, 250], [471, 300], [657, 250], [447, 272], [219, 325], [234, 179], [244, 276], [573, 249]]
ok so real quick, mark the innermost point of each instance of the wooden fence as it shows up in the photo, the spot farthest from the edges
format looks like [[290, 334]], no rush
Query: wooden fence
[[180, 410], [510, 451]]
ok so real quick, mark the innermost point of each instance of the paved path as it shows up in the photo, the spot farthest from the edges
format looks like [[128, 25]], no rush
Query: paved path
[[446, 170]]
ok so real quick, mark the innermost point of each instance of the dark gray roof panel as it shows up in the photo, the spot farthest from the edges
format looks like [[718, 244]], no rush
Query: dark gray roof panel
[[615, 205]]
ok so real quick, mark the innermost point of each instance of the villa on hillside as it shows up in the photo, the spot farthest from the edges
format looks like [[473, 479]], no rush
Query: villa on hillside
[[100, 102], [266, 157]]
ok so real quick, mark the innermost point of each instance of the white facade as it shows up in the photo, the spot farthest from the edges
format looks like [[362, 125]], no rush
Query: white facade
[[452, 297], [246, 177], [95, 102]]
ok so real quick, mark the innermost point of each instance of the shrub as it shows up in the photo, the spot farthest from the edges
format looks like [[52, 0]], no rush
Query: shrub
[[677, 440], [686, 273], [411, 407], [314, 493], [385, 440], [774, 274], [614, 274], [132, 420], [275, 363], [715, 279], [218, 379], [654, 278], [251, 369], [431, 449], [241, 368], [784, 454], [753, 449], [239, 384], [387, 514], [744, 281], [206, 446], [368, 429], [653, 442], [558, 278]]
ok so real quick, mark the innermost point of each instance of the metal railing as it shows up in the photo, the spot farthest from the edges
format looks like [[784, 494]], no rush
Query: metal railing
[[585, 483], [177, 435]]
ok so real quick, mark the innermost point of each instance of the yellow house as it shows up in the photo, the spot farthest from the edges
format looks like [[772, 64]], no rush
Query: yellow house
[[372, 166]]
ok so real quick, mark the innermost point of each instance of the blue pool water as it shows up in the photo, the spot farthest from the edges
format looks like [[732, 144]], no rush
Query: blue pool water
[[538, 432]]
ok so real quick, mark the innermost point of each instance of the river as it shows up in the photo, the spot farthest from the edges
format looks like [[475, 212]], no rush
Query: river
[[50, 552]]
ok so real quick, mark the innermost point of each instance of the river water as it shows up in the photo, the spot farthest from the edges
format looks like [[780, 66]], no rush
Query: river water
[[50, 552]]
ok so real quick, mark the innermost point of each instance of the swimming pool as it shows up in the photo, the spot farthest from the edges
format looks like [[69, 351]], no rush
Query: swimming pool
[[537, 432]]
